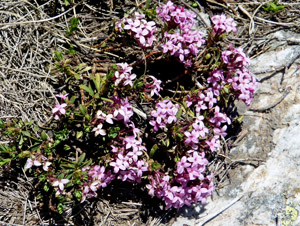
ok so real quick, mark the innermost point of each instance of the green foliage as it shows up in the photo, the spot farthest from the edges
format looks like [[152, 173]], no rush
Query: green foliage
[[73, 26], [273, 7], [68, 2], [194, 4]]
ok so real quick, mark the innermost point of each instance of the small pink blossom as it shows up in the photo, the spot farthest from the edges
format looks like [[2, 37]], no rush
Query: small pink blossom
[[60, 183], [62, 96], [98, 130], [46, 165], [59, 110]]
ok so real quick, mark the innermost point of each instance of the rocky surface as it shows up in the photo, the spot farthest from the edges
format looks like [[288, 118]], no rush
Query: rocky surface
[[265, 188]]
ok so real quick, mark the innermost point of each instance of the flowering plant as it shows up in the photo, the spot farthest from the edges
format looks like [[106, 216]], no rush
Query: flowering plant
[[133, 126]]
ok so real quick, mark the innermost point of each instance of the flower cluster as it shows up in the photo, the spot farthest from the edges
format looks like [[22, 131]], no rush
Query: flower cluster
[[164, 114], [137, 27], [243, 83], [122, 109], [123, 75], [176, 14], [100, 118], [199, 130], [153, 87], [217, 120], [127, 161], [189, 184], [223, 24], [98, 177], [184, 43]]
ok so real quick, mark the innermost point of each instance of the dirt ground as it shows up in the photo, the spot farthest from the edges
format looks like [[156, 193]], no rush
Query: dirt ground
[[31, 30]]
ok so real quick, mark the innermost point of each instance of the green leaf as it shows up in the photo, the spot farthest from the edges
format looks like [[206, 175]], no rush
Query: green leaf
[[71, 50], [97, 81], [81, 159], [2, 124], [103, 45], [60, 208], [194, 4], [72, 100], [153, 150], [26, 133], [113, 135], [87, 163], [87, 89], [83, 109], [156, 166], [67, 3], [24, 154], [84, 70], [73, 25], [46, 187], [87, 129], [74, 22], [58, 56], [167, 142], [106, 99], [21, 141], [110, 74], [77, 76], [4, 148], [44, 136], [4, 161], [139, 84], [78, 195], [88, 117], [179, 113], [226, 89], [240, 118], [67, 166], [79, 134], [179, 135], [67, 147]]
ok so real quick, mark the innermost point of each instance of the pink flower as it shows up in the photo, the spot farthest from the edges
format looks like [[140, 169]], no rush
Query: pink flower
[[31, 162], [60, 183], [62, 96], [108, 118], [223, 24], [141, 167], [46, 165], [98, 130], [155, 86], [59, 110], [117, 165], [213, 144], [142, 30], [136, 131], [221, 131], [132, 25], [210, 99], [192, 138], [182, 164]]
